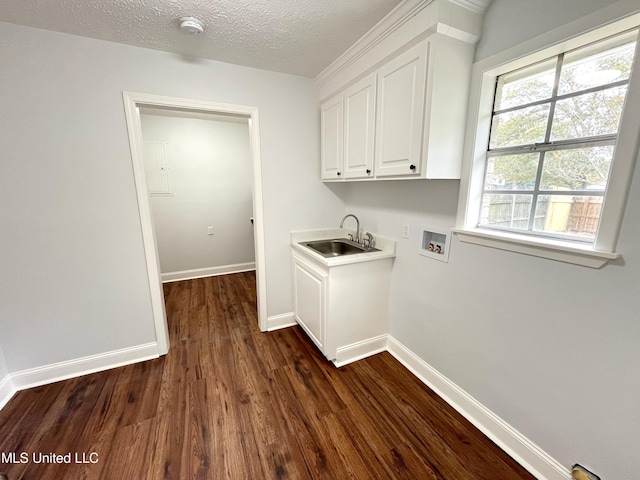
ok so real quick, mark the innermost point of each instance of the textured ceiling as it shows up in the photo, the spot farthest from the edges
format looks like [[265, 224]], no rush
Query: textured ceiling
[[291, 36]]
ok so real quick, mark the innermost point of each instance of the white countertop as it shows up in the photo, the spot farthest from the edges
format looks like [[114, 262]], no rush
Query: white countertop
[[386, 247]]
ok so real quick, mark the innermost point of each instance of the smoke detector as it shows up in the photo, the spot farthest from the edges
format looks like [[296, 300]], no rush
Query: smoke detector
[[191, 25]]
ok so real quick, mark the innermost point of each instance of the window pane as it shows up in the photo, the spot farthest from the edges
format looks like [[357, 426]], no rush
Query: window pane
[[520, 127], [597, 64], [588, 115], [578, 216], [511, 172], [507, 211], [526, 85], [577, 169]]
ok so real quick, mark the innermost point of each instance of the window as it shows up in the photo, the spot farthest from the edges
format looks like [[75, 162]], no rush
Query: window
[[552, 144], [553, 132]]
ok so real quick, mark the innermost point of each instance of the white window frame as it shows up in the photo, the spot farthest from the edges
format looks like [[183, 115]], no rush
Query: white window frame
[[484, 75]]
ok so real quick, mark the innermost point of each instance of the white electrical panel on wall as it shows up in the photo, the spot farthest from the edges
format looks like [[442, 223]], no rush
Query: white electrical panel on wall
[[435, 243], [156, 167]]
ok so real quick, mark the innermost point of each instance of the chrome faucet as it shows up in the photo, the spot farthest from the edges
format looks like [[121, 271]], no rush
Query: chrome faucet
[[368, 242], [357, 239]]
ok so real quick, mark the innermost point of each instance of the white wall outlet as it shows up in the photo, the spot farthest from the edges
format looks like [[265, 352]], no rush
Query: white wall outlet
[[406, 231], [209, 230]]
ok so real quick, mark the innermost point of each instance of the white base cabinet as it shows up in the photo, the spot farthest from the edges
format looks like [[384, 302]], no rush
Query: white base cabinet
[[310, 300], [344, 308]]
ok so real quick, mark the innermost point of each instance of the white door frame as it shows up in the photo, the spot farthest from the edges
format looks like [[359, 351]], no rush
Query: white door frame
[[132, 101]]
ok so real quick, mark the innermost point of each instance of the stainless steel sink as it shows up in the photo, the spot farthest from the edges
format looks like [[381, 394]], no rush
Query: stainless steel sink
[[337, 247]]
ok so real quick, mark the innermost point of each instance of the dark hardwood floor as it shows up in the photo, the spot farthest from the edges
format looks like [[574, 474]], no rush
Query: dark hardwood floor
[[230, 402]]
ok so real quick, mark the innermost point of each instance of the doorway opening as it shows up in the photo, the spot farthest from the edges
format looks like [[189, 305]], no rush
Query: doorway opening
[[134, 104]]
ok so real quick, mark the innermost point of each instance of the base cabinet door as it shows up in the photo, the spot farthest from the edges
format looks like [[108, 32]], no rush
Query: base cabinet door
[[310, 296]]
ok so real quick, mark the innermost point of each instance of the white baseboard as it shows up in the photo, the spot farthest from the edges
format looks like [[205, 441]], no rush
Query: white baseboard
[[207, 272], [530, 456], [55, 372], [7, 390], [360, 350], [284, 320], [521, 449]]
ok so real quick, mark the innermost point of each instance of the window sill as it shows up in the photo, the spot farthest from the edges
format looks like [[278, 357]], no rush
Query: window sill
[[537, 247]]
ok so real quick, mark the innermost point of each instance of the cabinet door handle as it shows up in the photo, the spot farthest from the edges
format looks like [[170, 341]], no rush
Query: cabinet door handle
[[412, 167], [368, 171], [339, 174]]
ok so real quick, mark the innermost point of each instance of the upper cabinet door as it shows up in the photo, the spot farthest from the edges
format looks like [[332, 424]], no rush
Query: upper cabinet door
[[401, 99], [359, 128], [331, 148]]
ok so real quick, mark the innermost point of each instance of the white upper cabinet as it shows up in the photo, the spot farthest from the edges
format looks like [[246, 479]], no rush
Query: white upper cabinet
[[359, 128], [331, 131], [400, 106], [404, 120], [448, 80]]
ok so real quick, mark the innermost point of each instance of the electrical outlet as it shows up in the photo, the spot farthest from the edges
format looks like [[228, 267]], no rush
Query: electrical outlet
[[209, 230], [406, 231], [578, 472]]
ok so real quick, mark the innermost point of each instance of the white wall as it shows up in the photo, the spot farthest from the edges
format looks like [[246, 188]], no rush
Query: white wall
[[3, 366], [6, 384], [72, 278], [509, 22], [211, 179], [551, 348]]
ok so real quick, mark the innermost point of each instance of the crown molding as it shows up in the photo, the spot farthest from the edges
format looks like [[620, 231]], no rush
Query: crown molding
[[385, 27], [478, 6], [442, 16]]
